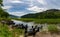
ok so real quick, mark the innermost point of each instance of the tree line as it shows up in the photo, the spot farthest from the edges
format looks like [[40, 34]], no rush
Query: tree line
[[48, 14]]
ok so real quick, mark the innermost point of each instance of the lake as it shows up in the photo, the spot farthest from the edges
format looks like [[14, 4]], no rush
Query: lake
[[30, 24]]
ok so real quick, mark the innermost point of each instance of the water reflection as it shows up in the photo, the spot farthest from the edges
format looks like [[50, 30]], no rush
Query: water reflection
[[24, 23]]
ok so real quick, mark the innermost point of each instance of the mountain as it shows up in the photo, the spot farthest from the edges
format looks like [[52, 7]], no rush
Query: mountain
[[51, 13], [13, 16], [5, 14]]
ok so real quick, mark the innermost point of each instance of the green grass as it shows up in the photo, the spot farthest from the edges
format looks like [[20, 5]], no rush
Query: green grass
[[49, 21], [4, 31], [53, 29], [5, 19]]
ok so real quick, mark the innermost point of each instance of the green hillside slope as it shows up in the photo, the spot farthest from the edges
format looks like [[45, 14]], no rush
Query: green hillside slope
[[52, 13]]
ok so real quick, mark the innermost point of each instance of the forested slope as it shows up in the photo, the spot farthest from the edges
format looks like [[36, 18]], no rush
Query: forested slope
[[51, 13]]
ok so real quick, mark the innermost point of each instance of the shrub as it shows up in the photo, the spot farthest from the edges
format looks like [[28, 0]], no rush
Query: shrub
[[53, 29]]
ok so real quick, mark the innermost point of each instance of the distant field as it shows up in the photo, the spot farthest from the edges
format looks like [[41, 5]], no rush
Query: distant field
[[49, 21]]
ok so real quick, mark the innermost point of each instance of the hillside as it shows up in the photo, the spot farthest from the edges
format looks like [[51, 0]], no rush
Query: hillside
[[13, 16], [3, 13], [51, 13]]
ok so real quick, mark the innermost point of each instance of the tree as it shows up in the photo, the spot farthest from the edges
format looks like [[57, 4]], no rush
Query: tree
[[48, 14], [3, 13], [1, 4]]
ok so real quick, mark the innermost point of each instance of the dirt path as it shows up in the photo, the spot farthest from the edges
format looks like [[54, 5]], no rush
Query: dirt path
[[43, 35], [39, 34], [21, 36]]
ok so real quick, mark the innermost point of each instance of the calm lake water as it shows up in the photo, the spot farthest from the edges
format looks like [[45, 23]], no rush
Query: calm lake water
[[21, 22], [28, 23]]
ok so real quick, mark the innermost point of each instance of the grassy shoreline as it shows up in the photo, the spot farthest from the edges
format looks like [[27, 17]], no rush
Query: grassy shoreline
[[41, 21], [5, 31]]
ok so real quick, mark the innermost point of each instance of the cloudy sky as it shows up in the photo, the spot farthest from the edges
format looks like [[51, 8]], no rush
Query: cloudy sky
[[22, 7]]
